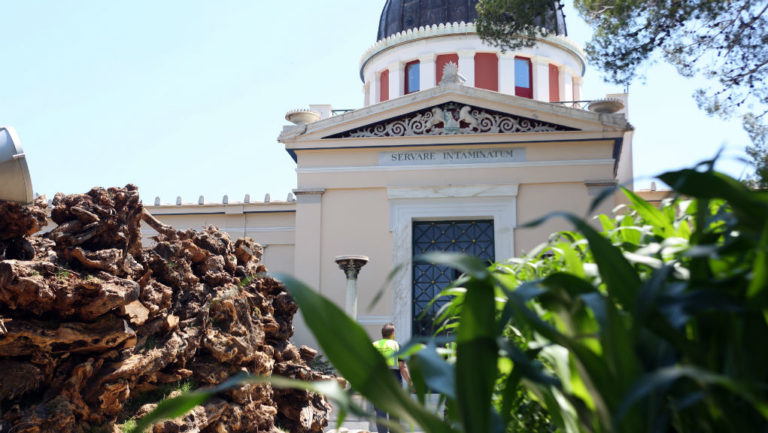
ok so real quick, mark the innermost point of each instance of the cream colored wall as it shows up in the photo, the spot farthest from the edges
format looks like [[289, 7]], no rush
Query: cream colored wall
[[356, 221], [537, 200]]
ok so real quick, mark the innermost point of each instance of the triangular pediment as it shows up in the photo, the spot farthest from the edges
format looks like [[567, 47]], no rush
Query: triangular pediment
[[454, 110], [451, 118]]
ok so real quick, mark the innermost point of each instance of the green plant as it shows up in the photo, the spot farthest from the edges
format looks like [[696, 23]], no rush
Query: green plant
[[129, 426], [656, 324], [659, 323]]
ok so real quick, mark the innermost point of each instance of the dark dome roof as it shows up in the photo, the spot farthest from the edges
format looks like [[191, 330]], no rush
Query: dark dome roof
[[399, 15]]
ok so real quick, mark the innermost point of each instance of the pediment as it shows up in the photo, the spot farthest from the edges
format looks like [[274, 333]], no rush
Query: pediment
[[451, 118]]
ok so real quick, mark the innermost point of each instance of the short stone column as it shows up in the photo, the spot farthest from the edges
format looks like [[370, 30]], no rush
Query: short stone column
[[351, 266]]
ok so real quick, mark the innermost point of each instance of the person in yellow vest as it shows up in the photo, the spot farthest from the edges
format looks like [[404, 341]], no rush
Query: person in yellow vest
[[388, 347]]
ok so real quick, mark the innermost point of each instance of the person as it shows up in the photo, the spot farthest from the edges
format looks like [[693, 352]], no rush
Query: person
[[388, 348]]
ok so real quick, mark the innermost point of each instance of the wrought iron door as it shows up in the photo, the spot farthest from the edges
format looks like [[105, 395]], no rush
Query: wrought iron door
[[474, 237]]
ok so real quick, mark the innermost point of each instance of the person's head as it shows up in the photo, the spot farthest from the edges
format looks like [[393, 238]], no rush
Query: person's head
[[388, 331]]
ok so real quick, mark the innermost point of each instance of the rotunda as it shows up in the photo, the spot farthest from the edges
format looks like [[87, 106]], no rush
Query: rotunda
[[417, 38]]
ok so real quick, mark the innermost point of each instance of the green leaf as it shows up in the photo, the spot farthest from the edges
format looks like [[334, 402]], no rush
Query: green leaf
[[438, 375], [174, 408], [619, 276], [758, 287], [178, 406], [660, 223], [662, 378], [476, 354], [750, 206], [463, 263]]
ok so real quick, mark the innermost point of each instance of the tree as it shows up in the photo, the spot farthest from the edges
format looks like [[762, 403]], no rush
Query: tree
[[724, 41]]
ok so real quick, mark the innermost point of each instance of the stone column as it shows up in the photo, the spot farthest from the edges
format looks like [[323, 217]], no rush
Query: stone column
[[507, 73], [467, 66], [351, 266], [396, 80], [427, 71], [577, 82], [540, 66]]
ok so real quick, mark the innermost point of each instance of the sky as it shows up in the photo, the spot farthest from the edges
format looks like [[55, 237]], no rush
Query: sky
[[187, 97]]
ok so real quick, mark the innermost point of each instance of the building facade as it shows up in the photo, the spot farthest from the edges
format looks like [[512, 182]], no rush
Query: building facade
[[456, 146]]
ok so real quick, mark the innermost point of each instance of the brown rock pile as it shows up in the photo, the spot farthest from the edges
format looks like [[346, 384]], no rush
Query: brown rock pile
[[93, 326]]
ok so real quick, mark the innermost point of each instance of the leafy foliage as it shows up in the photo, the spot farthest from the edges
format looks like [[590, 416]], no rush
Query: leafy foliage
[[512, 24], [757, 151], [659, 322]]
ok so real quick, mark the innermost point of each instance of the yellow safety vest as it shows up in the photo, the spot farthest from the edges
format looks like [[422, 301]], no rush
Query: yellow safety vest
[[388, 348]]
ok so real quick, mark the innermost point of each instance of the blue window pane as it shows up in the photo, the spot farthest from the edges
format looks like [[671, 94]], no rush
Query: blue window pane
[[522, 73], [413, 78]]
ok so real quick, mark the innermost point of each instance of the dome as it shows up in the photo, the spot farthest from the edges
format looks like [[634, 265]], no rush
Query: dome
[[399, 15]]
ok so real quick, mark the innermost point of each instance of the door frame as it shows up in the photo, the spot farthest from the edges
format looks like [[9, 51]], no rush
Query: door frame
[[496, 202]]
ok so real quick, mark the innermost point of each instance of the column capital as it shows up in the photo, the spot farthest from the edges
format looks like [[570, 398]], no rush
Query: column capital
[[396, 66], [466, 53], [506, 55], [539, 60], [567, 69], [351, 265]]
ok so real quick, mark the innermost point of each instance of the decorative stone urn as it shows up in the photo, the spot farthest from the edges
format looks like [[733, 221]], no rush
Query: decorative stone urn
[[302, 116], [607, 105]]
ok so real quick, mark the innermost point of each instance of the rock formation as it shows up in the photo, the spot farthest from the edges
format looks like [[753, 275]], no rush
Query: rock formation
[[95, 329]]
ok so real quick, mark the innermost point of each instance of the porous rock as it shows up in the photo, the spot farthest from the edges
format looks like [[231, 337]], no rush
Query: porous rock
[[95, 329]]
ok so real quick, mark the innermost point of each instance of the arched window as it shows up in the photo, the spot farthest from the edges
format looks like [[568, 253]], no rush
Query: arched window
[[412, 77], [523, 77]]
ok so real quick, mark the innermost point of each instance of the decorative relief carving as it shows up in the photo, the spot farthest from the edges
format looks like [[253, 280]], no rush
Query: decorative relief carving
[[450, 74], [452, 118]]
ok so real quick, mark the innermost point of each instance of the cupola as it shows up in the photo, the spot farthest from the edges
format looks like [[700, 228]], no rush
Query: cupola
[[417, 38], [402, 15]]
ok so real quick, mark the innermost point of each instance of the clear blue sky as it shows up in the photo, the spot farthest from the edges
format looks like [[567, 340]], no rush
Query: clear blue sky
[[187, 97]]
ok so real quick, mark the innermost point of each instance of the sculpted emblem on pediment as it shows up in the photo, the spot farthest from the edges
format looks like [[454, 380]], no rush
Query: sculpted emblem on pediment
[[449, 119]]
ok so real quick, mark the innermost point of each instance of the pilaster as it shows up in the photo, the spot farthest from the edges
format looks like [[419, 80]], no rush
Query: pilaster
[[467, 66], [577, 83], [396, 80], [427, 71], [507, 73], [566, 84], [540, 74], [309, 218]]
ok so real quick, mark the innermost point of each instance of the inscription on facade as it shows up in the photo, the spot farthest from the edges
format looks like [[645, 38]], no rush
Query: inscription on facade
[[453, 156]]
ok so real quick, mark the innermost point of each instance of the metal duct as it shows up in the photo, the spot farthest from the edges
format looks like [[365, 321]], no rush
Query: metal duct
[[15, 182]]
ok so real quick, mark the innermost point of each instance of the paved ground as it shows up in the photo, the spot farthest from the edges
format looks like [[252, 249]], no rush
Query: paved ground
[[353, 424]]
